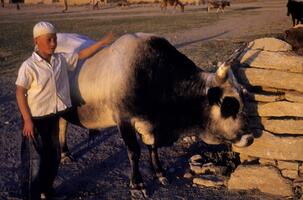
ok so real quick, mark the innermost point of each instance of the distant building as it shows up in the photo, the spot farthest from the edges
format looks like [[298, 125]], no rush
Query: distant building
[[82, 2], [71, 2]]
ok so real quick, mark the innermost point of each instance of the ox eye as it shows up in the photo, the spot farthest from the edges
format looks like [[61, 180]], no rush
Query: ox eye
[[230, 107]]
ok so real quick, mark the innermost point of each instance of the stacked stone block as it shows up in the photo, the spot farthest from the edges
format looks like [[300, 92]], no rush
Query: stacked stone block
[[273, 75]]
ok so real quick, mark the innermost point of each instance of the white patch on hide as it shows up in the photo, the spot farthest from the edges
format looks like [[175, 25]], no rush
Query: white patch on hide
[[96, 116], [244, 140], [227, 127], [102, 81], [144, 128]]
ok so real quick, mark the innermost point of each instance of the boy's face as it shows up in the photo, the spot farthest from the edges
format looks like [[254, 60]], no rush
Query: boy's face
[[46, 43]]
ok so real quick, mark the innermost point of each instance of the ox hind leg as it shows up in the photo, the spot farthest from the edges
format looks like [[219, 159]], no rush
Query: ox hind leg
[[128, 134], [156, 164]]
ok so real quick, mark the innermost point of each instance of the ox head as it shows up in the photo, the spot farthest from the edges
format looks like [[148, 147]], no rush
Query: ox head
[[227, 121]]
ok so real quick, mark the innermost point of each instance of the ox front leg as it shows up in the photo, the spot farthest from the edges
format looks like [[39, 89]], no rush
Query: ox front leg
[[128, 133], [65, 154], [156, 164]]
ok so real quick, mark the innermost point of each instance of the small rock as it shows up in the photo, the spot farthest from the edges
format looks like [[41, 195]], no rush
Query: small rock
[[208, 168], [264, 161], [188, 175], [195, 158], [209, 181], [6, 123], [196, 169]]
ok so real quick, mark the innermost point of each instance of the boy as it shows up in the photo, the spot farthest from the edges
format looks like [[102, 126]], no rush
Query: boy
[[42, 96]]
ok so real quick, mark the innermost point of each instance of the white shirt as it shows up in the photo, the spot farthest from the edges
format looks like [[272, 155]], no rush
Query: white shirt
[[47, 84]]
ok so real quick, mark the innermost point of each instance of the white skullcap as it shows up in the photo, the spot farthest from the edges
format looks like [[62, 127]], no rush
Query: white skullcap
[[43, 28]]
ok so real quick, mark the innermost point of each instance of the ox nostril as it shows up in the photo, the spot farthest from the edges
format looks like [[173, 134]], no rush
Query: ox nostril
[[250, 140]]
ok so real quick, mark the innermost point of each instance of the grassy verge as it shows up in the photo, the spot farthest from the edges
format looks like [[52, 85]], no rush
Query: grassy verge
[[16, 31], [16, 38]]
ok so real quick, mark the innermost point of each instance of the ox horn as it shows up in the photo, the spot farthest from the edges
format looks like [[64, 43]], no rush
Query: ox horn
[[222, 72]]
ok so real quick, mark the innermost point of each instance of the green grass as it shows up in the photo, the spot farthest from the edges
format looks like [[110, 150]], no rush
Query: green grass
[[16, 30], [20, 34]]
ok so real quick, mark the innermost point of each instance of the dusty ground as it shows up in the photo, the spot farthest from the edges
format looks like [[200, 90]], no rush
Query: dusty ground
[[101, 168]]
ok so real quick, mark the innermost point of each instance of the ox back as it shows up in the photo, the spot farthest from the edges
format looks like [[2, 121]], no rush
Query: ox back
[[145, 78], [167, 91]]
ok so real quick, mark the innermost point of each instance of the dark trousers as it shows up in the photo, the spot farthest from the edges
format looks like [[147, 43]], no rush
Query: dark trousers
[[40, 158]]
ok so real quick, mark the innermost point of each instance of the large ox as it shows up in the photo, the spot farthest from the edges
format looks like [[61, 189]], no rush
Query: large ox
[[144, 85], [295, 9]]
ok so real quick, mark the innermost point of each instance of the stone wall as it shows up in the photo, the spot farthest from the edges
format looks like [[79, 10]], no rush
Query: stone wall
[[273, 75]]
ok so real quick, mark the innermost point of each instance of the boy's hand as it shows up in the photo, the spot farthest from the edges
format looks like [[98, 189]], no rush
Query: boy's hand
[[108, 38], [28, 129], [89, 51]]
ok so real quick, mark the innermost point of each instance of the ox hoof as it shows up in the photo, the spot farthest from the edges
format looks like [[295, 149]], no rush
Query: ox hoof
[[163, 180], [67, 157], [139, 192]]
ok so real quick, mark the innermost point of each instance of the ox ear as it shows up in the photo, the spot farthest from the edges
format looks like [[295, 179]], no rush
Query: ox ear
[[222, 72]]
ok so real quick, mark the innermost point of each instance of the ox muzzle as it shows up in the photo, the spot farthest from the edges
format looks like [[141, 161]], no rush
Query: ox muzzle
[[244, 141]]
